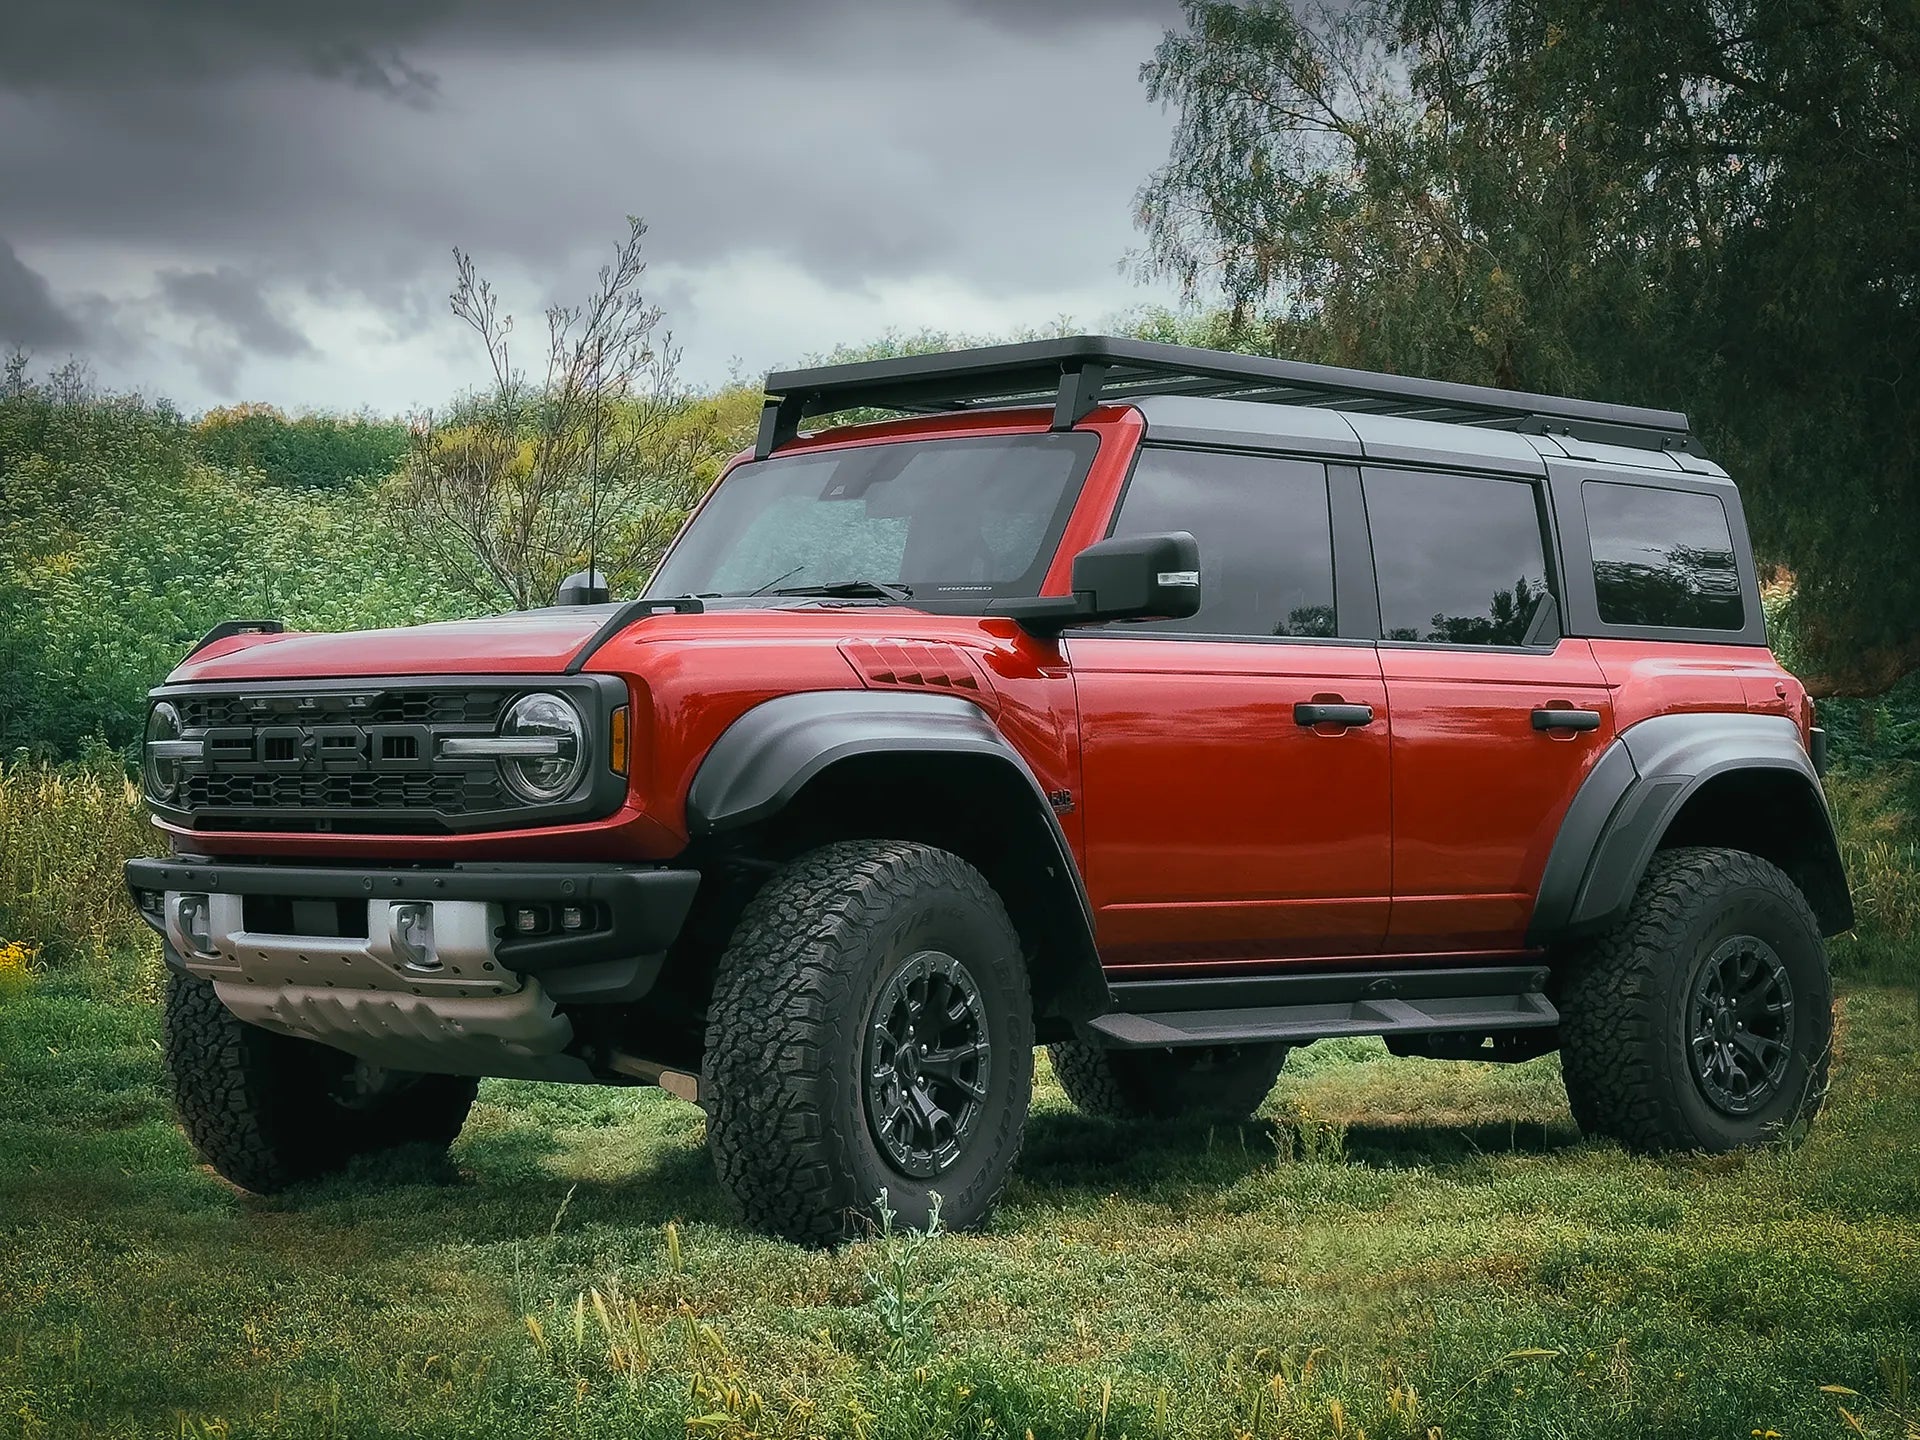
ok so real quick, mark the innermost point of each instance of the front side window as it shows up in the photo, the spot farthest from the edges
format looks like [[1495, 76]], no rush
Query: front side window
[[1662, 557], [948, 519], [1460, 559], [1266, 541]]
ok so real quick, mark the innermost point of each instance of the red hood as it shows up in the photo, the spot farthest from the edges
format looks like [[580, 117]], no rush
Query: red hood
[[529, 642]]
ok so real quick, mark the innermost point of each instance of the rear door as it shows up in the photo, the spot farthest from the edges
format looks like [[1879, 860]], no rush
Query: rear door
[[1227, 819], [1496, 720]]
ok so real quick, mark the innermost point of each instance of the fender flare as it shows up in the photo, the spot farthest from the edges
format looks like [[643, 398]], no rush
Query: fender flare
[[769, 755], [1632, 794]]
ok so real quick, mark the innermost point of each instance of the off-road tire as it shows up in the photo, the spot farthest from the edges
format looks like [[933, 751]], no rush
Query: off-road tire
[[784, 1076], [1624, 1005], [1226, 1082], [263, 1109]]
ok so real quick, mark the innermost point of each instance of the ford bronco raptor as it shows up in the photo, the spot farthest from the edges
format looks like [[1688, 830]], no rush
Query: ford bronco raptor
[[1164, 707]]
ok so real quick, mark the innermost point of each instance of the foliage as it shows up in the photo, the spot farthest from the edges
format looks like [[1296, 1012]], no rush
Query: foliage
[[119, 548], [314, 451], [1456, 1261], [906, 1302], [64, 835], [1708, 204], [596, 464]]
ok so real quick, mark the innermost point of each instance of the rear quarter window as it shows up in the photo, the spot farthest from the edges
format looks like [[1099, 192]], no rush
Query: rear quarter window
[[1662, 557]]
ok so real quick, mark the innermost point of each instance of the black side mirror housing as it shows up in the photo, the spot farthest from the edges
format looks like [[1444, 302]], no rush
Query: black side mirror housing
[[1131, 577]]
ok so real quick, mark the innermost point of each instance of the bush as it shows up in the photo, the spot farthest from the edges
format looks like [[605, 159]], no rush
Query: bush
[[309, 451], [64, 833]]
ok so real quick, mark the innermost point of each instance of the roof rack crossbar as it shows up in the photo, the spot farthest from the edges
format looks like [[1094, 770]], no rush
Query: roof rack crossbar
[[1074, 374]]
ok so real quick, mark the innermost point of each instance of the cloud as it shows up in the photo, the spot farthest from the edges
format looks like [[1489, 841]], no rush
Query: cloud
[[274, 178], [28, 315]]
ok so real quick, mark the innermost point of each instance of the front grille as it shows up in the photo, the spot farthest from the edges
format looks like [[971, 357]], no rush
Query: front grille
[[359, 757]]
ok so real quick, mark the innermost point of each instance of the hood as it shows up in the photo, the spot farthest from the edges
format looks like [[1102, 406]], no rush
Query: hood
[[527, 642]]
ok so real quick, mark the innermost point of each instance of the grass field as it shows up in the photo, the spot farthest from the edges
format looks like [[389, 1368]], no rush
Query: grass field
[[1395, 1248]]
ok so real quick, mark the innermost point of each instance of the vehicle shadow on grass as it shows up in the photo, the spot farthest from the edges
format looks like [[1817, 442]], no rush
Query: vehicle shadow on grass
[[1073, 1153]]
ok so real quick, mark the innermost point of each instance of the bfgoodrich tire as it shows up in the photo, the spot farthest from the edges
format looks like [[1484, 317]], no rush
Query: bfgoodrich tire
[[267, 1110], [1704, 1020], [870, 1030], [1226, 1082]]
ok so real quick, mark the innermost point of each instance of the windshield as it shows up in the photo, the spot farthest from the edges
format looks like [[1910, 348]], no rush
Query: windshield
[[943, 519]]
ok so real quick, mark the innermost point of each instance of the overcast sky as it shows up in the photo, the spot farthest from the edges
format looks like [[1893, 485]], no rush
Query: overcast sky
[[217, 200]]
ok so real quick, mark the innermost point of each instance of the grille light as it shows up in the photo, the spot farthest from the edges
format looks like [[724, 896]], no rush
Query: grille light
[[164, 751], [551, 726]]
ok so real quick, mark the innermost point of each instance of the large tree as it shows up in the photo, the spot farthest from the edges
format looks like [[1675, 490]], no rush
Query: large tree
[[1713, 204]]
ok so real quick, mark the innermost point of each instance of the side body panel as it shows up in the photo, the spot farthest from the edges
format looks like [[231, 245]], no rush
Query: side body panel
[[1217, 828], [1478, 791]]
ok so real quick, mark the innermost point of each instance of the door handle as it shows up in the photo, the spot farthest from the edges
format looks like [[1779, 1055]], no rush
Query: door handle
[[1547, 719], [1311, 713]]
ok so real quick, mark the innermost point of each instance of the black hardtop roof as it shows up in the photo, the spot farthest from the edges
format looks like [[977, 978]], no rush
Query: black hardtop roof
[[1075, 373]]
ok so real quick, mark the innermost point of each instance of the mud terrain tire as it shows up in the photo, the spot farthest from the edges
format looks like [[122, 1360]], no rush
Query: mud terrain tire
[[803, 1074], [1692, 982], [268, 1110]]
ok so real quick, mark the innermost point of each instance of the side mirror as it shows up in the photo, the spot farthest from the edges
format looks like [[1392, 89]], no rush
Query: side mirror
[[1139, 577], [1131, 577]]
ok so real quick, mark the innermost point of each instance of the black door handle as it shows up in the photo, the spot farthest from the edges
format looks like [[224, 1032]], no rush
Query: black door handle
[[1566, 719], [1311, 713]]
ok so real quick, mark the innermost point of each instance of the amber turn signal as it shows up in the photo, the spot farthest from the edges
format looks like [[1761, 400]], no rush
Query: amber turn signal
[[617, 751]]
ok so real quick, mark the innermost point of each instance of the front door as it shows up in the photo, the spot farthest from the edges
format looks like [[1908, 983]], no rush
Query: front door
[[1235, 768], [1495, 719]]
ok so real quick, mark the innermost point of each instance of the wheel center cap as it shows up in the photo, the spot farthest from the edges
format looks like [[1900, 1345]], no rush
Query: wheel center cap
[[908, 1064]]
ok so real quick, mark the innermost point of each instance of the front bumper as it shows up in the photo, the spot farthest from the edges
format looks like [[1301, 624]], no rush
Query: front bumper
[[455, 970]]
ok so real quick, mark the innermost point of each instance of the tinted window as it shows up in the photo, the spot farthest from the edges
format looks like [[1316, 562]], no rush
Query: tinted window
[[1662, 557], [1459, 559], [949, 518], [1266, 543]]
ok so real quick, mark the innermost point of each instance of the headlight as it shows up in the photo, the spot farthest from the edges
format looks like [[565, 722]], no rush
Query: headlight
[[555, 753], [162, 752]]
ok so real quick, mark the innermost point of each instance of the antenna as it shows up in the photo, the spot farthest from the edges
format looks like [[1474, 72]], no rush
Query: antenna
[[593, 480]]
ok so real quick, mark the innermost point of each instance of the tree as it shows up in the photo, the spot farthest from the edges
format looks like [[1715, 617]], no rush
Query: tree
[[524, 483], [1712, 203]]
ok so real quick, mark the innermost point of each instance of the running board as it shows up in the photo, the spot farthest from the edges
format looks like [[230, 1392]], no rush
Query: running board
[[1297, 1009]]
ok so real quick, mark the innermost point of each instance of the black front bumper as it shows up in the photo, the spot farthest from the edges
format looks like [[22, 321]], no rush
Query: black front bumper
[[636, 912]]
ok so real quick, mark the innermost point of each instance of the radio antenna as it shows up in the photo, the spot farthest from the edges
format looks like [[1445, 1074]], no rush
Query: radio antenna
[[593, 479]]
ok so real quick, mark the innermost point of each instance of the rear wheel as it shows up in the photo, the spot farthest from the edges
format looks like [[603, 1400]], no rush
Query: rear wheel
[[1226, 1081], [267, 1110], [870, 1030], [1704, 1020]]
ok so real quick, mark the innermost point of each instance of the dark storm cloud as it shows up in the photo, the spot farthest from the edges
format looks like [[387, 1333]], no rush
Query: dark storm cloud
[[232, 302], [265, 157], [28, 315]]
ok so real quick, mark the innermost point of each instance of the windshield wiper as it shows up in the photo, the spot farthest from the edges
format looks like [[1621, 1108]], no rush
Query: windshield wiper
[[898, 594]]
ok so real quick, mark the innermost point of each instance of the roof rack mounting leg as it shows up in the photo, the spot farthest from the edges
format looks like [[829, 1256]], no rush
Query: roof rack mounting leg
[[1079, 393], [779, 423]]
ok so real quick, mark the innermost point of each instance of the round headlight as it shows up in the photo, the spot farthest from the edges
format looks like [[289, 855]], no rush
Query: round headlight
[[163, 771], [551, 775]]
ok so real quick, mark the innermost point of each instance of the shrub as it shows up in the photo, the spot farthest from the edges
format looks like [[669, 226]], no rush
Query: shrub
[[64, 832]]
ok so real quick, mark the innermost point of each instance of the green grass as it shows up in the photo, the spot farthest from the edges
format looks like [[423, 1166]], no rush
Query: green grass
[[1396, 1247]]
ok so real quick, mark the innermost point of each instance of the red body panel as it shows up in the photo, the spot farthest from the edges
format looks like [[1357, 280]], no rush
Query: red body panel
[[1217, 828], [1478, 793]]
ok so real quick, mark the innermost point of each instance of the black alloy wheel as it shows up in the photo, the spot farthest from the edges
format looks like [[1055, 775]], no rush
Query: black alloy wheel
[[1740, 1026], [928, 1064]]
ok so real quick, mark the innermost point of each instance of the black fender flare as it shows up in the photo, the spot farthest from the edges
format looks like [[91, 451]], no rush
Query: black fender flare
[[1631, 796], [768, 756]]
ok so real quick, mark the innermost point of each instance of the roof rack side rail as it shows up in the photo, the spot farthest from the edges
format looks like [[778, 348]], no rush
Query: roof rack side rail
[[1073, 374]]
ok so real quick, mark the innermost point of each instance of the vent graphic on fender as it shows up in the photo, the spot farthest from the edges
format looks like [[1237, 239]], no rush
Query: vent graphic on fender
[[913, 664]]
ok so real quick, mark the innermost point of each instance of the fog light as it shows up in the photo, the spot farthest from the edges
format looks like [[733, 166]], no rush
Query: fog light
[[410, 927], [196, 923], [527, 921], [571, 918]]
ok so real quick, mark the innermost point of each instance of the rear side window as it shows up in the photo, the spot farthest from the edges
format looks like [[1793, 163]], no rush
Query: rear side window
[[1460, 560], [1662, 557], [1266, 539]]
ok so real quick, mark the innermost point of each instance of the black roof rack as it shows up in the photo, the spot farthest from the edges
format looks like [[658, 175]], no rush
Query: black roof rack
[[1075, 373]]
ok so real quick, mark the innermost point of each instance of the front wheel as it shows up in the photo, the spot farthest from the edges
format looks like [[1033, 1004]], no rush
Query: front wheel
[[267, 1110], [870, 1030], [1704, 1020]]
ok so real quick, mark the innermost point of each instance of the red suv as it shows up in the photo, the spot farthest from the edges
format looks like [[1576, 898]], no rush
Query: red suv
[[1164, 707]]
